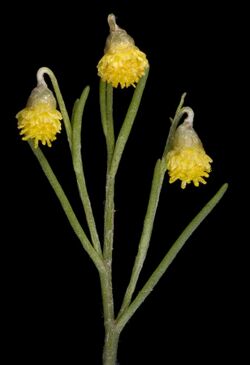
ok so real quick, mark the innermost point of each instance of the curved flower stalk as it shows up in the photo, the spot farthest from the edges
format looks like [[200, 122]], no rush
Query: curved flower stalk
[[184, 158]]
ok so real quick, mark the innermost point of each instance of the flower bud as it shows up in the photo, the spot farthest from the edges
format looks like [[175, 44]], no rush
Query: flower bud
[[123, 63], [187, 160], [39, 120]]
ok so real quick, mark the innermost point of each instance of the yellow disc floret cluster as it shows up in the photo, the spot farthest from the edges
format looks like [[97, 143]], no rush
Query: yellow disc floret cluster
[[187, 160], [123, 63], [188, 165], [40, 121]]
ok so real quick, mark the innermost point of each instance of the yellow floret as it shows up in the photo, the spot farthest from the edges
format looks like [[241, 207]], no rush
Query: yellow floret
[[123, 64], [188, 164], [40, 122]]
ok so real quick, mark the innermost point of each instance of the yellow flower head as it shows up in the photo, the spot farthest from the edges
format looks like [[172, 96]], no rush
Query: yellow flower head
[[40, 120], [123, 63], [187, 160]]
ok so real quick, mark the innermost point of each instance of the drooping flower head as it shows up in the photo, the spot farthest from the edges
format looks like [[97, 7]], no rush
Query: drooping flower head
[[187, 160], [39, 120], [123, 63]]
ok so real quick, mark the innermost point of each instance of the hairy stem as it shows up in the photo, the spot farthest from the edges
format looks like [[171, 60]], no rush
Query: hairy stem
[[96, 258], [158, 177], [169, 257], [78, 168], [60, 100]]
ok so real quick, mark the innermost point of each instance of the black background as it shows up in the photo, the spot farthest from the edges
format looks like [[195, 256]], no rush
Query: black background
[[51, 295]]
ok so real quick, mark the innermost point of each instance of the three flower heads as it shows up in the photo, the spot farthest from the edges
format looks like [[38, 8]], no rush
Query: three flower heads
[[123, 64]]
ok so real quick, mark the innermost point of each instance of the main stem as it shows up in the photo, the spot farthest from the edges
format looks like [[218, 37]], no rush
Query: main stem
[[111, 333], [111, 347], [114, 152]]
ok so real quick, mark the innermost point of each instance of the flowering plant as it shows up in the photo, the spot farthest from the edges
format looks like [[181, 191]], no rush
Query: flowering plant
[[184, 158]]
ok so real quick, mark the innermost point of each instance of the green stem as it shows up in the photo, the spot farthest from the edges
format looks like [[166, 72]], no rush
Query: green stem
[[111, 333], [61, 103], [111, 346], [111, 173], [158, 177], [110, 124], [169, 257], [96, 258], [109, 218], [114, 157], [78, 167], [106, 107], [111, 339], [103, 105], [128, 123], [106, 95]]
